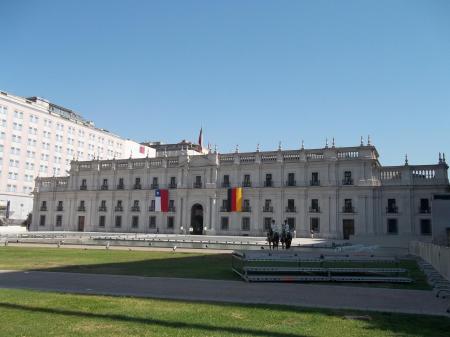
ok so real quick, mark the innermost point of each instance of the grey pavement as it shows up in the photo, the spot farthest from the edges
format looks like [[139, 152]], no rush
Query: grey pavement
[[302, 295]]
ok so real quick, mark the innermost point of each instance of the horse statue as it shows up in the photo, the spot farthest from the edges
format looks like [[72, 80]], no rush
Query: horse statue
[[270, 237], [288, 239], [275, 240], [283, 239]]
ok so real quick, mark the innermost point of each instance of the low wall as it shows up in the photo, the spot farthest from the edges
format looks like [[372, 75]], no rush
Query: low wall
[[437, 256]]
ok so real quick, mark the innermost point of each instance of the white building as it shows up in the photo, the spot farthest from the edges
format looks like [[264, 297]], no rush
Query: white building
[[39, 138], [334, 192]]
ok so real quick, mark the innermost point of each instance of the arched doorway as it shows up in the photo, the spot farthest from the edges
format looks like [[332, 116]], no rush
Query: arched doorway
[[197, 219]]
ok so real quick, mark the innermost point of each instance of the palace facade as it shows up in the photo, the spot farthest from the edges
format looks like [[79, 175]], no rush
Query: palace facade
[[336, 192]]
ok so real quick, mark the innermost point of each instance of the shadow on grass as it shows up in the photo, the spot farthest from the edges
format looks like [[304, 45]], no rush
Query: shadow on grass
[[208, 266], [149, 321], [386, 324]]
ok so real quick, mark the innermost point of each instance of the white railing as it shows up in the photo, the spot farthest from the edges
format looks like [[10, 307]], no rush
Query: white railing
[[437, 256]]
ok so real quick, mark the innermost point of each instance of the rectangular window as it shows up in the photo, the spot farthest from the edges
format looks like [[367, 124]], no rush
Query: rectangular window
[[152, 222], [134, 221], [315, 178], [118, 222], [348, 208], [392, 226], [42, 220], [291, 179], [268, 182], [291, 223], [315, 225], [267, 223], [246, 205], [155, 182], [226, 181], [425, 226], [347, 178], [58, 221], [224, 221], [315, 205], [198, 182], [392, 206], [101, 221], [224, 207], [245, 223], [291, 205], [173, 182], [424, 205], [170, 222]]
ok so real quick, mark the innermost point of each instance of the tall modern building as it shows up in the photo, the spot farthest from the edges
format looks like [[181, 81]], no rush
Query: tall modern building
[[334, 192], [39, 138]]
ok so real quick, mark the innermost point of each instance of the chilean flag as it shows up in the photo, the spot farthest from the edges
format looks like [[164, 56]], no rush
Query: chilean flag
[[161, 200]]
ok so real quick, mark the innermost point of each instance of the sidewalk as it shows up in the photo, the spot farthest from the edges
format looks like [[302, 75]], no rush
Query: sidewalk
[[302, 295]]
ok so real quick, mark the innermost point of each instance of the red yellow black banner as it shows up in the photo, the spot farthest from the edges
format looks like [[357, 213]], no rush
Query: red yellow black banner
[[235, 199]]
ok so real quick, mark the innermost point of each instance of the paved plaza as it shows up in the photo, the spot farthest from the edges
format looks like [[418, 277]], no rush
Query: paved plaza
[[302, 295]]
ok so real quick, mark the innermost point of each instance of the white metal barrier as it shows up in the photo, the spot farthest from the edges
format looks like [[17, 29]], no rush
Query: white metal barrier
[[437, 256]]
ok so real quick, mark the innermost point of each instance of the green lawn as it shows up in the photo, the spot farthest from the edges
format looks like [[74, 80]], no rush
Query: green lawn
[[119, 262], [151, 263], [31, 313]]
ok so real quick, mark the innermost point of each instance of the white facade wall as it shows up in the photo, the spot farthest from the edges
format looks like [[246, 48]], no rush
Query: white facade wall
[[370, 188], [34, 141]]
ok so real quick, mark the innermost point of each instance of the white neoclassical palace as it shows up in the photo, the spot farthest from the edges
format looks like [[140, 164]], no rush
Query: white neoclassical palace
[[336, 192]]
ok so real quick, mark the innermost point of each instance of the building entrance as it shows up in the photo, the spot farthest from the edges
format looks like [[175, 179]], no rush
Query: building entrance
[[81, 223], [197, 219], [348, 228]]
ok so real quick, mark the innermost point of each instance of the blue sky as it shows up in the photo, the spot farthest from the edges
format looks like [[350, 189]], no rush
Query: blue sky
[[247, 71]]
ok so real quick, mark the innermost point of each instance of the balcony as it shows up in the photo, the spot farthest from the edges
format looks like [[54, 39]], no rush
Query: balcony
[[268, 183], [425, 210], [347, 181], [154, 186], [247, 209], [224, 209], [135, 209], [172, 209], [348, 209], [392, 210], [104, 187], [173, 185], [314, 182], [291, 209], [120, 186], [198, 184], [102, 209], [81, 209], [314, 209], [83, 187], [246, 183], [59, 208], [268, 209], [118, 209], [151, 208], [43, 208], [226, 184], [291, 183], [137, 186]]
